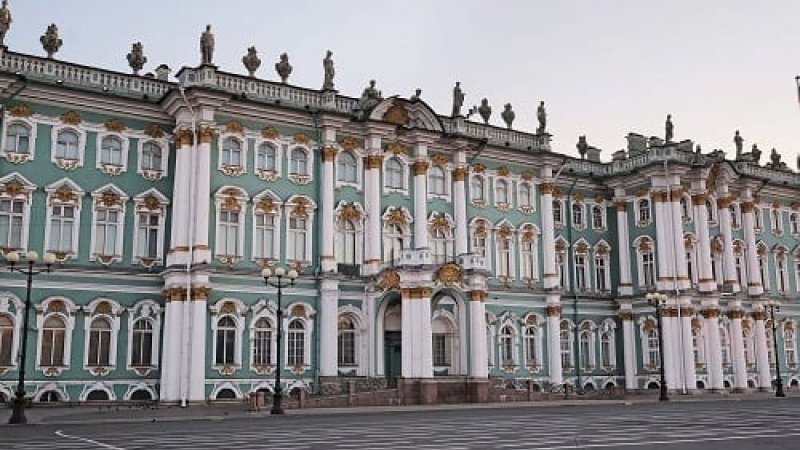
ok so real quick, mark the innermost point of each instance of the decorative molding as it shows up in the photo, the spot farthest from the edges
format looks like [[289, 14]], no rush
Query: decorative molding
[[114, 125], [21, 110], [71, 118]]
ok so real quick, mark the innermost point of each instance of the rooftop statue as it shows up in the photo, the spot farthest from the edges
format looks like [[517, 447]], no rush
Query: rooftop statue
[[136, 58], [5, 22], [327, 65], [251, 61], [739, 142], [582, 146], [417, 95], [669, 129], [369, 98], [50, 40], [755, 153], [283, 68], [541, 114], [207, 46], [508, 115], [458, 99], [485, 110]]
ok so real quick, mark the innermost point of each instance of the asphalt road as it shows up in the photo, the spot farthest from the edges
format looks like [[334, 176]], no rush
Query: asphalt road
[[728, 425]]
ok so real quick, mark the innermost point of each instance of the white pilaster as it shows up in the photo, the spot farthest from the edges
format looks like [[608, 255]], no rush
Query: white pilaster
[[372, 203], [327, 206], [664, 242], [171, 354], [728, 264], [548, 235], [705, 277], [417, 345], [671, 328], [737, 349], [329, 310], [201, 197], [181, 191], [420, 170], [553, 340], [478, 355], [754, 286], [623, 248], [762, 355], [679, 246], [196, 373], [460, 204], [713, 347], [629, 347], [687, 350]]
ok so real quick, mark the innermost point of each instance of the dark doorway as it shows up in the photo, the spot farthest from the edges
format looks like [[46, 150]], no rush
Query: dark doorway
[[392, 356]]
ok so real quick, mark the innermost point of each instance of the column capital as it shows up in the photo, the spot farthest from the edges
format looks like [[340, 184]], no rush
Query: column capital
[[735, 314], [553, 310], [329, 154], [710, 312], [460, 174], [183, 137], [547, 187], [699, 199], [759, 315], [687, 311], [478, 296], [659, 196], [373, 161], [669, 312], [626, 315], [621, 205], [724, 202], [748, 206], [206, 134], [420, 167], [417, 293]]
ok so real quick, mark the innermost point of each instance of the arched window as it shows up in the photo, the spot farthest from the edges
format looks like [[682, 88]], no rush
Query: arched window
[[565, 345], [436, 181], [607, 349], [504, 255], [501, 191], [763, 267], [781, 274], [6, 340], [581, 280], [587, 360], [725, 346], [18, 138], [226, 341], [262, 343], [394, 242], [558, 213], [532, 357], [577, 215], [67, 145], [525, 196], [111, 151], [265, 157], [12, 214], [698, 347], [264, 236], [477, 189], [643, 207], [777, 220], [296, 245], [529, 261], [394, 174], [653, 348], [439, 245], [151, 156], [346, 342], [346, 168], [53, 334], [106, 224], [648, 275], [795, 223], [299, 162], [506, 345], [442, 338], [231, 152], [142, 345], [346, 242], [598, 221], [770, 349], [789, 344], [759, 219], [228, 235], [296, 344], [601, 274]]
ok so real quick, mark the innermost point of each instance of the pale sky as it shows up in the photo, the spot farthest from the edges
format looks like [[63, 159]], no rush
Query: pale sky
[[604, 68]]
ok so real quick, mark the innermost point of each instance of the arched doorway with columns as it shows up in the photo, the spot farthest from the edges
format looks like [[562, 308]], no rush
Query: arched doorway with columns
[[449, 315], [388, 337]]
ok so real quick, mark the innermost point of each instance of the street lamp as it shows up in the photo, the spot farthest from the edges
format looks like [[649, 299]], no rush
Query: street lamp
[[280, 273], [12, 258], [657, 300], [771, 307]]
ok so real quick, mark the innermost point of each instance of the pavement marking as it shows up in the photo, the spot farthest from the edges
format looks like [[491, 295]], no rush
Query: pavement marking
[[99, 444], [669, 442]]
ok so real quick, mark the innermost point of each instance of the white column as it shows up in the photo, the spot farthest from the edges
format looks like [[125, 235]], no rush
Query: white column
[[753, 272], [329, 311], [679, 251], [327, 206], [705, 277], [629, 346], [460, 209], [417, 345], [171, 353], [196, 372], [548, 239], [728, 265], [181, 191], [762, 355], [623, 248], [553, 340], [664, 241], [687, 350], [479, 367], [671, 328], [420, 170], [202, 197], [372, 202], [713, 347], [737, 349]]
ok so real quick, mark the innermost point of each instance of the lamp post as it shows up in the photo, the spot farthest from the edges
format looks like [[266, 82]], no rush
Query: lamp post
[[771, 307], [657, 300], [280, 273], [30, 271]]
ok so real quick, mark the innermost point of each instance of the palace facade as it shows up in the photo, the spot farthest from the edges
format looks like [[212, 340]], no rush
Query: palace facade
[[430, 247]]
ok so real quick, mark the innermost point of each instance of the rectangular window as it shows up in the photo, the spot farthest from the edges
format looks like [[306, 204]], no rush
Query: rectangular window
[[106, 229], [528, 260], [296, 347], [296, 245], [580, 272], [648, 268], [264, 239], [504, 264], [11, 215], [262, 347], [600, 274], [147, 238], [441, 356], [228, 236], [62, 224]]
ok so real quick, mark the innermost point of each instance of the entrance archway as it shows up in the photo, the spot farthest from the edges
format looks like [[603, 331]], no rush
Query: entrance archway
[[392, 337]]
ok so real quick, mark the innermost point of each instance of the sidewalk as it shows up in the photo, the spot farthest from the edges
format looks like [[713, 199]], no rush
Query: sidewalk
[[83, 415]]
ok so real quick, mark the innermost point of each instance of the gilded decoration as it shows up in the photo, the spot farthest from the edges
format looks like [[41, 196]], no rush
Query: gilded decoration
[[350, 212], [329, 154], [478, 296], [581, 248], [417, 292], [390, 279], [103, 308], [269, 133], [710, 313], [459, 174], [114, 125], [267, 205], [644, 245], [479, 168], [206, 135], [109, 199], [547, 188], [505, 232], [397, 148], [65, 195], [373, 161], [71, 118], [397, 114], [301, 139], [184, 137], [626, 315], [419, 167], [13, 188], [503, 171], [602, 250], [154, 131], [234, 127], [776, 204], [228, 308], [57, 306], [152, 203], [397, 217], [21, 110], [527, 175], [230, 202], [580, 196], [688, 244], [699, 199], [449, 274], [349, 143], [759, 315], [440, 222], [481, 230], [439, 159], [532, 320], [300, 208], [298, 311], [620, 206], [528, 235], [561, 246], [716, 246], [650, 324], [552, 310], [724, 202], [659, 196]]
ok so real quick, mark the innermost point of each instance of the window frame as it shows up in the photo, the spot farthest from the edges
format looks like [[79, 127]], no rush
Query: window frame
[[357, 166], [155, 173], [264, 173], [403, 166], [108, 168], [31, 125], [144, 205]]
